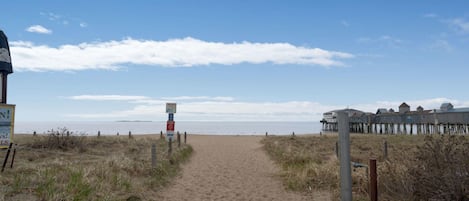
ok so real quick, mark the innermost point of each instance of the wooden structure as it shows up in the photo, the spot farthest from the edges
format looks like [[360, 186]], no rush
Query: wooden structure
[[446, 120]]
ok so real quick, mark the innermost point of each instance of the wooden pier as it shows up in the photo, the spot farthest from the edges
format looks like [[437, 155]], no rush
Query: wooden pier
[[446, 120]]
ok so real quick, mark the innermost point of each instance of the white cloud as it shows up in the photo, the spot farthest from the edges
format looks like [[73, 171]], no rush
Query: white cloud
[[441, 45], [186, 52], [213, 110], [83, 24], [108, 98], [384, 40], [199, 98], [38, 29], [460, 25]]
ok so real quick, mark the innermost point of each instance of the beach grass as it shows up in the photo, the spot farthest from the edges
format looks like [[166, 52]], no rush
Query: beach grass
[[89, 168], [309, 164]]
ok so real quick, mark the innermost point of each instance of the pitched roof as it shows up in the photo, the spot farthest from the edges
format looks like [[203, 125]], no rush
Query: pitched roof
[[403, 105]]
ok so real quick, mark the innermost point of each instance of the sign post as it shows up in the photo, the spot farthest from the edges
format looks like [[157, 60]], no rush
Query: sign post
[[7, 112], [170, 109]]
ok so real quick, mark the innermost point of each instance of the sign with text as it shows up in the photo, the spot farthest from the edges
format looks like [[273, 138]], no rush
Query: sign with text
[[170, 108], [7, 122]]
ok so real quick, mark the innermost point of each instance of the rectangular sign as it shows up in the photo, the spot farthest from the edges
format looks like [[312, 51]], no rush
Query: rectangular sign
[[171, 117], [170, 126], [7, 122], [170, 107]]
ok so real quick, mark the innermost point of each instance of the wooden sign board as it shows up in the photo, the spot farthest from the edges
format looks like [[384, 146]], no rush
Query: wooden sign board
[[171, 108], [7, 122]]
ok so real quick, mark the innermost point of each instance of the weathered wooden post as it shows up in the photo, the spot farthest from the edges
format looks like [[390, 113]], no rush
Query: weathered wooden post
[[385, 149], [34, 133], [185, 137], [179, 139], [99, 133], [345, 166], [170, 146], [130, 134], [373, 180], [161, 134], [153, 155], [266, 134]]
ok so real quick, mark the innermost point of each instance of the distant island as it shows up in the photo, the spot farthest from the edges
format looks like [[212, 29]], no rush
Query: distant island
[[132, 121]]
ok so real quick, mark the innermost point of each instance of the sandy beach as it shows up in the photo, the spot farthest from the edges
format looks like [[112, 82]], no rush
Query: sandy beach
[[229, 168]]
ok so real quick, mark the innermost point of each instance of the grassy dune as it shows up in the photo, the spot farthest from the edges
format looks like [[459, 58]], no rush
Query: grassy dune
[[89, 168], [309, 164]]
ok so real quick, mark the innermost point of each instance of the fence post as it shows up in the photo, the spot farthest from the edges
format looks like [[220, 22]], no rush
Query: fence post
[[345, 166], [170, 147], [161, 134], [266, 134], [153, 156], [179, 139], [130, 134], [99, 133], [373, 181], [385, 149], [185, 137], [34, 133]]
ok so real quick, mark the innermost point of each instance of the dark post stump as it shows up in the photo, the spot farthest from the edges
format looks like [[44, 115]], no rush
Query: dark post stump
[[373, 181]]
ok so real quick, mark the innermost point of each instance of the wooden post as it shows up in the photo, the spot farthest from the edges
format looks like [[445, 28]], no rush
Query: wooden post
[[385, 149], [6, 157], [266, 134], [373, 181], [161, 134], [99, 133], [185, 137], [117, 133], [293, 134], [179, 139], [34, 133], [153, 156], [170, 147], [130, 134], [344, 157]]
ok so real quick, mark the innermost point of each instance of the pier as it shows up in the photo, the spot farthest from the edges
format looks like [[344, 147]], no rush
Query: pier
[[445, 120]]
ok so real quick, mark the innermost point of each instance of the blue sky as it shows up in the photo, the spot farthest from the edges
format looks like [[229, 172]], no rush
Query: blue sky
[[232, 60]]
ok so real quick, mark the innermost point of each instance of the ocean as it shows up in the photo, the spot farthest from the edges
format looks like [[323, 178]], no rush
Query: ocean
[[191, 127]]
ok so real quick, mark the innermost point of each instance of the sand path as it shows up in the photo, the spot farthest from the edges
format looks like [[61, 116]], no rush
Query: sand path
[[228, 168]]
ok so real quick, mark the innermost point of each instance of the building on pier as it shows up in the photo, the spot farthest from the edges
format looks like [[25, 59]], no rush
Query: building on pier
[[446, 119]]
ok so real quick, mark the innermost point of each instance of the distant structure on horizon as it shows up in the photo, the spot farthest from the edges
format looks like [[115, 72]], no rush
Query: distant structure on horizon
[[447, 119]]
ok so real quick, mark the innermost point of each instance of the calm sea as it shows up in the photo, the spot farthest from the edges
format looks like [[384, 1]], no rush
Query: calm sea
[[191, 127]]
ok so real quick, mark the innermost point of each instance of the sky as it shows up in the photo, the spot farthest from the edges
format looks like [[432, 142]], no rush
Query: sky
[[232, 60]]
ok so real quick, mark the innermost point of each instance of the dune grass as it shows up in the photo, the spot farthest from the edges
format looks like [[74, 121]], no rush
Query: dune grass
[[309, 164], [89, 168]]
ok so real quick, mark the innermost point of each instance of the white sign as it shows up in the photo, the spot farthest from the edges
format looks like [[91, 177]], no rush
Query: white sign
[[170, 135], [7, 119], [170, 107]]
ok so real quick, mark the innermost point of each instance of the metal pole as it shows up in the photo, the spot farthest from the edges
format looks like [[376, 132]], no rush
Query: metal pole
[[344, 151], [6, 157], [373, 180], [4, 87]]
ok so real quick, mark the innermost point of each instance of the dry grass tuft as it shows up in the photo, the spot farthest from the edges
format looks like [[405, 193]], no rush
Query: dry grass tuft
[[417, 167], [89, 168]]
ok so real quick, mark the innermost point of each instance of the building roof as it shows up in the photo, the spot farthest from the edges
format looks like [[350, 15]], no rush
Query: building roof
[[404, 105]]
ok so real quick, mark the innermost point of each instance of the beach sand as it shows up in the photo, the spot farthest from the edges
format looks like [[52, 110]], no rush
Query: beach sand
[[230, 168]]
